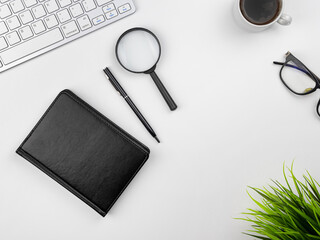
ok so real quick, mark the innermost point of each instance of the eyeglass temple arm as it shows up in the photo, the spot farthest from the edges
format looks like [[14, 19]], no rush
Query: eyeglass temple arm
[[295, 67], [289, 65]]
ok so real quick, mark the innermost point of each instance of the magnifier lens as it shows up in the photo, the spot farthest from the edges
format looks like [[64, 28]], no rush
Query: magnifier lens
[[138, 51]]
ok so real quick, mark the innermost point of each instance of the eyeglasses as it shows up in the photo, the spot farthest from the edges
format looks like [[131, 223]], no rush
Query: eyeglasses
[[298, 78]]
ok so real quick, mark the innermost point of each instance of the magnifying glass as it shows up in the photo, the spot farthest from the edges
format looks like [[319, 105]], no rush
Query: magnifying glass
[[138, 50]]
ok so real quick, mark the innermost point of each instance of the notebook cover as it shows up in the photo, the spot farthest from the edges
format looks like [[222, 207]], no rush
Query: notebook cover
[[84, 151]]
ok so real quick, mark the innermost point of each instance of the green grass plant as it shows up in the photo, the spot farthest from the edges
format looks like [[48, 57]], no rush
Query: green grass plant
[[286, 212]]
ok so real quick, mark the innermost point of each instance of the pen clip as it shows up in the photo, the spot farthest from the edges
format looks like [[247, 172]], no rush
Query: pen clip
[[112, 83]]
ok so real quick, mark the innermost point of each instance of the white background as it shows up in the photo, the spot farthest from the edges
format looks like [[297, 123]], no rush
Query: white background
[[236, 124]]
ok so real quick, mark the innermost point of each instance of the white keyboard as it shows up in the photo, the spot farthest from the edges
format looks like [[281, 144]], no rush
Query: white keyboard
[[29, 28]]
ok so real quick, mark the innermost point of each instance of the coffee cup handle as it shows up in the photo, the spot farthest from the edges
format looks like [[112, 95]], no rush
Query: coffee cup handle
[[285, 20]]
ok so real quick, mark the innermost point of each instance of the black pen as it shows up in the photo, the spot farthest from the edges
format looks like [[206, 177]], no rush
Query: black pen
[[119, 89]]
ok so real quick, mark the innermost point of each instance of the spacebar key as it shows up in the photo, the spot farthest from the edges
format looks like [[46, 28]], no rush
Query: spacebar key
[[31, 46]]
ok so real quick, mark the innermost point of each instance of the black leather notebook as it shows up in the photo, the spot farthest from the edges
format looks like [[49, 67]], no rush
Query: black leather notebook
[[84, 151]]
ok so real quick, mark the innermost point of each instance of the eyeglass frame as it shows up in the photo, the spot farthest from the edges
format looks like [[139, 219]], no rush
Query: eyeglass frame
[[303, 68]]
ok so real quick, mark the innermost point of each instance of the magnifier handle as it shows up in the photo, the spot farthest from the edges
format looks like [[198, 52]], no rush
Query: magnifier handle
[[172, 105]]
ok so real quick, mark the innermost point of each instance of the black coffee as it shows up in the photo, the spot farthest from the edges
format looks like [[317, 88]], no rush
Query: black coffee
[[260, 12]]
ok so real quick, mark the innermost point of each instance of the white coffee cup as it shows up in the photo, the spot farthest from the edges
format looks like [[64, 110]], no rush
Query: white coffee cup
[[282, 18]]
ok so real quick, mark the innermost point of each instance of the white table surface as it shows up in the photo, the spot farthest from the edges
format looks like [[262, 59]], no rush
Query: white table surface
[[236, 124]]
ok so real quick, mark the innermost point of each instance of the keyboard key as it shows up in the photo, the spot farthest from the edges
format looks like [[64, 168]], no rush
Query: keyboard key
[[30, 3], [64, 3], [3, 43], [38, 11], [31, 46], [101, 2], [13, 38], [108, 8], [13, 22], [16, 6], [4, 1], [3, 28], [63, 15], [51, 6], [98, 20], [25, 32], [124, 8], [26, 17], [38, 27], [84, 22], [4, 11], [51, 21], [88, 5], [70, 29], [76, 10], [111, 14]]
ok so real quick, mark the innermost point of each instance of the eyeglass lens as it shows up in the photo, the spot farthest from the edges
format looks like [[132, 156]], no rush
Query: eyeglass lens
[[297, 77]]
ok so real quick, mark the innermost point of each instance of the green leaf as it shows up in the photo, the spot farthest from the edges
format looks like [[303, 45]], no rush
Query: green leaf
[[290, 212]]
